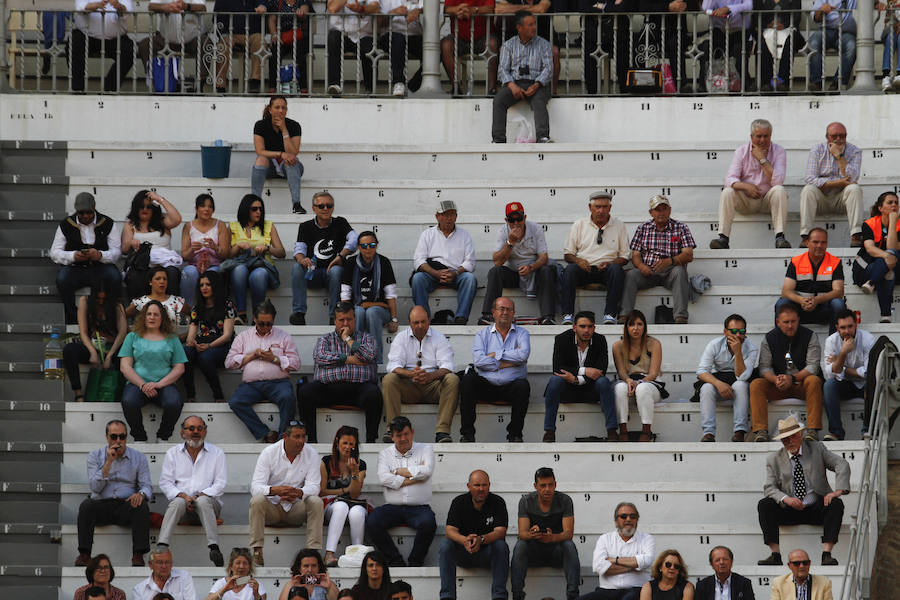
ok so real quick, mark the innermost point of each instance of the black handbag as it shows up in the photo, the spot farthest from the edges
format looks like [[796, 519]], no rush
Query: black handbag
[[664, 315]]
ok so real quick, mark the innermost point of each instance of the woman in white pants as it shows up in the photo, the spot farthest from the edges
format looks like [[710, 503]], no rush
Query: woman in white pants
[[343, 473], [638, 358]]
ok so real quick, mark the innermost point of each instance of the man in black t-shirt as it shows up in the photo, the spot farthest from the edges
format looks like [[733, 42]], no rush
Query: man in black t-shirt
[[475, 536], [322, 243], [546, 528]]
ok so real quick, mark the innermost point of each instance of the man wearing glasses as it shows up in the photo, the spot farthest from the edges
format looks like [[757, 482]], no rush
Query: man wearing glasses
[[285, 488], [596, 250], [799, 583], [622, 558], [193, 479], [420, 369], [322, 243], [86, 245], [522, 245], [726, 366], [797, 490], [119, 478], [266, 355]]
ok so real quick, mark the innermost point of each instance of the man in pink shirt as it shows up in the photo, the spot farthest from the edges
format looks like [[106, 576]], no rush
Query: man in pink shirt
[[755, 183], [266, 355]]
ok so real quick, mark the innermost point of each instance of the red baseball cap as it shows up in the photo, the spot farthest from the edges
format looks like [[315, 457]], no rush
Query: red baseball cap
[[514, 207]]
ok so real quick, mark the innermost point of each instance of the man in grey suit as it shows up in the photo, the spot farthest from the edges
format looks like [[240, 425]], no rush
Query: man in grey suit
[[797, 490]]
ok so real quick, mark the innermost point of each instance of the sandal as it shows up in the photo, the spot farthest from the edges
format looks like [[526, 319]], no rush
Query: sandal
[[331, 563], [79, 397]]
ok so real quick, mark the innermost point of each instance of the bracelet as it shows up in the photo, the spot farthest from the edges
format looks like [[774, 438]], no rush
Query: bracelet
[[285, 136]]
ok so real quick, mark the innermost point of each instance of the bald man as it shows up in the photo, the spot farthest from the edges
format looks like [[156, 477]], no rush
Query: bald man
[[475, 536], [799, 583], [420, 369]]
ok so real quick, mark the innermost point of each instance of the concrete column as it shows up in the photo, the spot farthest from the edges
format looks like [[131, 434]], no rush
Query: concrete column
[[431, 52], [865, 50], [4, 65]]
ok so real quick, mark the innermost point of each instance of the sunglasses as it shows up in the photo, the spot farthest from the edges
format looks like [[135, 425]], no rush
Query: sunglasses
[[368, 245], [625, 516], [670, 565], [600, 236], [514, 219], [419, 358], [737, 331], [800, 563], [323, 206], [118, 436], [195, 428], [86, 213], [297, 424], [255, 208], [265, 324]]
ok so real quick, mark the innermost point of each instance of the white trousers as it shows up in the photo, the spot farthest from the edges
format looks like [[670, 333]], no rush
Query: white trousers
[[337, 513], [645, 396]]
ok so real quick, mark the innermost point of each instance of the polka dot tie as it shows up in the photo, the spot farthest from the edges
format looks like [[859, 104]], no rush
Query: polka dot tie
[[799, 478]]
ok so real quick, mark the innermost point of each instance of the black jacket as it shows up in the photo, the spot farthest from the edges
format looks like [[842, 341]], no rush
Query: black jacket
[[741, 588], [565, 354]]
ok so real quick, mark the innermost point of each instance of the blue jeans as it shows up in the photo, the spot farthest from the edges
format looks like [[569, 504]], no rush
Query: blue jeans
[[613, 277], [532, 553], [848, 53], [709, 396], [421, 518], [891, 46], [167, 398], [276, 391], [258, 177], [259, 281], [823, 314], [320, 279], [69, 279], [494, 556], [209, 361], [558, 390], [189, 277], [875, 272], [833, 392], [423, 284], [372, 320]]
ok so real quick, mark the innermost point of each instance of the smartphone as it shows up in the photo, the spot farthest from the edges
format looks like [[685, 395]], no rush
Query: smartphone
[[354, 452], [309, 579], [242, 580]]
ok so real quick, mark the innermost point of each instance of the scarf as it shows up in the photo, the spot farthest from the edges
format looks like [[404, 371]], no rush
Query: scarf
[[362, 269]]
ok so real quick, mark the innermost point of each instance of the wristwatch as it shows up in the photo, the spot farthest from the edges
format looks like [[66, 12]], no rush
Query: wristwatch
[[394, 320], [763, 162]]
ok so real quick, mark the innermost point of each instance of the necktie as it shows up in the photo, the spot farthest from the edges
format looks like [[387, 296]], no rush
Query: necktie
[[799, 478]]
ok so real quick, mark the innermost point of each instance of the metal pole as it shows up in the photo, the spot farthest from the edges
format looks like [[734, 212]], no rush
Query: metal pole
[[431, 52], [865, 50], [4, 66]]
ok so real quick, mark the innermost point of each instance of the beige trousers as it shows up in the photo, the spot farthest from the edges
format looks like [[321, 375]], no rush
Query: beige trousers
[[849, 200], [308, 510], [444, 391], [775, 201]]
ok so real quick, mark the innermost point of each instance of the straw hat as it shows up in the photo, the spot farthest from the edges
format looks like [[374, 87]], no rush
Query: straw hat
[[788, 427]]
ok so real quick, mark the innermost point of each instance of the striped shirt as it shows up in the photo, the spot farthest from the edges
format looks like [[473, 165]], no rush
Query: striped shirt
[[821, 166], [532, 60], [655, 245], [330, 356]]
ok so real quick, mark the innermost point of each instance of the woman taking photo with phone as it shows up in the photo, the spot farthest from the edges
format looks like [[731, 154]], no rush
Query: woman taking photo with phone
[[239, 584]]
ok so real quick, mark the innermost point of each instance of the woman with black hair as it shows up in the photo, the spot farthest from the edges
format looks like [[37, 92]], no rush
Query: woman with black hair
[[99, 573], [205, 242], [254, 243], [150, 221], [209, 335], [157, 289], [374, 578], [101, 323], [276, 140]]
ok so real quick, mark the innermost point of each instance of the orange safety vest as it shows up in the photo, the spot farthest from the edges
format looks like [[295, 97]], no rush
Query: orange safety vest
[[876, 226], [806, 285]]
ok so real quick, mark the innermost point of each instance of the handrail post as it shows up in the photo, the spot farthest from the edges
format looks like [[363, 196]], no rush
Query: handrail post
[[865, 50], [4, 65], [431, 52]]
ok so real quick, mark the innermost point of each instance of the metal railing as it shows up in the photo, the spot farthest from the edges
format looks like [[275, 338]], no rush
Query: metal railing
[[871, 512], [368, 54]]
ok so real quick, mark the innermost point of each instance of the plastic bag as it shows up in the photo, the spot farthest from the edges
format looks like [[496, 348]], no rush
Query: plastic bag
[[668, 79], [526, 133], [723, 76], [353, 556]]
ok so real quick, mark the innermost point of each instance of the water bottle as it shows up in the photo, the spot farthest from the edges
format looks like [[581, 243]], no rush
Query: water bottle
[[53, 354], [310, 272]]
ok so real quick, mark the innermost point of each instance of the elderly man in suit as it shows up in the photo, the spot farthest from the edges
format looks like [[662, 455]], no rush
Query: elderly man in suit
[[799, 583], [797, 489], [723, 583]]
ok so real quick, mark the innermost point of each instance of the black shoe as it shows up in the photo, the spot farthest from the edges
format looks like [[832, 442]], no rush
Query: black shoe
[[299, 210], [773, 559], [547, 321], [397, 562], [415, 563], [515, 439], [386, 438], [298, 318], [460, 321], [215, 555], [467, 439], [442, 438], [720, 243], [828, 560], [139, 437], [486, 319]]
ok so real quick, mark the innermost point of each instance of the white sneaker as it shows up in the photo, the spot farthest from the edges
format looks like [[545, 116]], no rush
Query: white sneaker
[[609, 320], [567, 320], [335, 90], [886, 84], [867, 287], [886, 319], [897, 82], [399, 90]]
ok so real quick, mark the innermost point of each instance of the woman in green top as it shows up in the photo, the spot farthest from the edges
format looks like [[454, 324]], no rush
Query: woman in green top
[[152, 360]]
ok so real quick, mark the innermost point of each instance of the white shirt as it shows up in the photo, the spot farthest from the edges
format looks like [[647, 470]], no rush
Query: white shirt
[[399, 24], [722, 588], [179, 584], [180, 474], [103, 23], [420, 462], [61, 256], [170, 24], [453, 251], [435, 349], [273, 469], [857, 359], [582, 241], [245, 594], [353, 25], [641, 546]]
